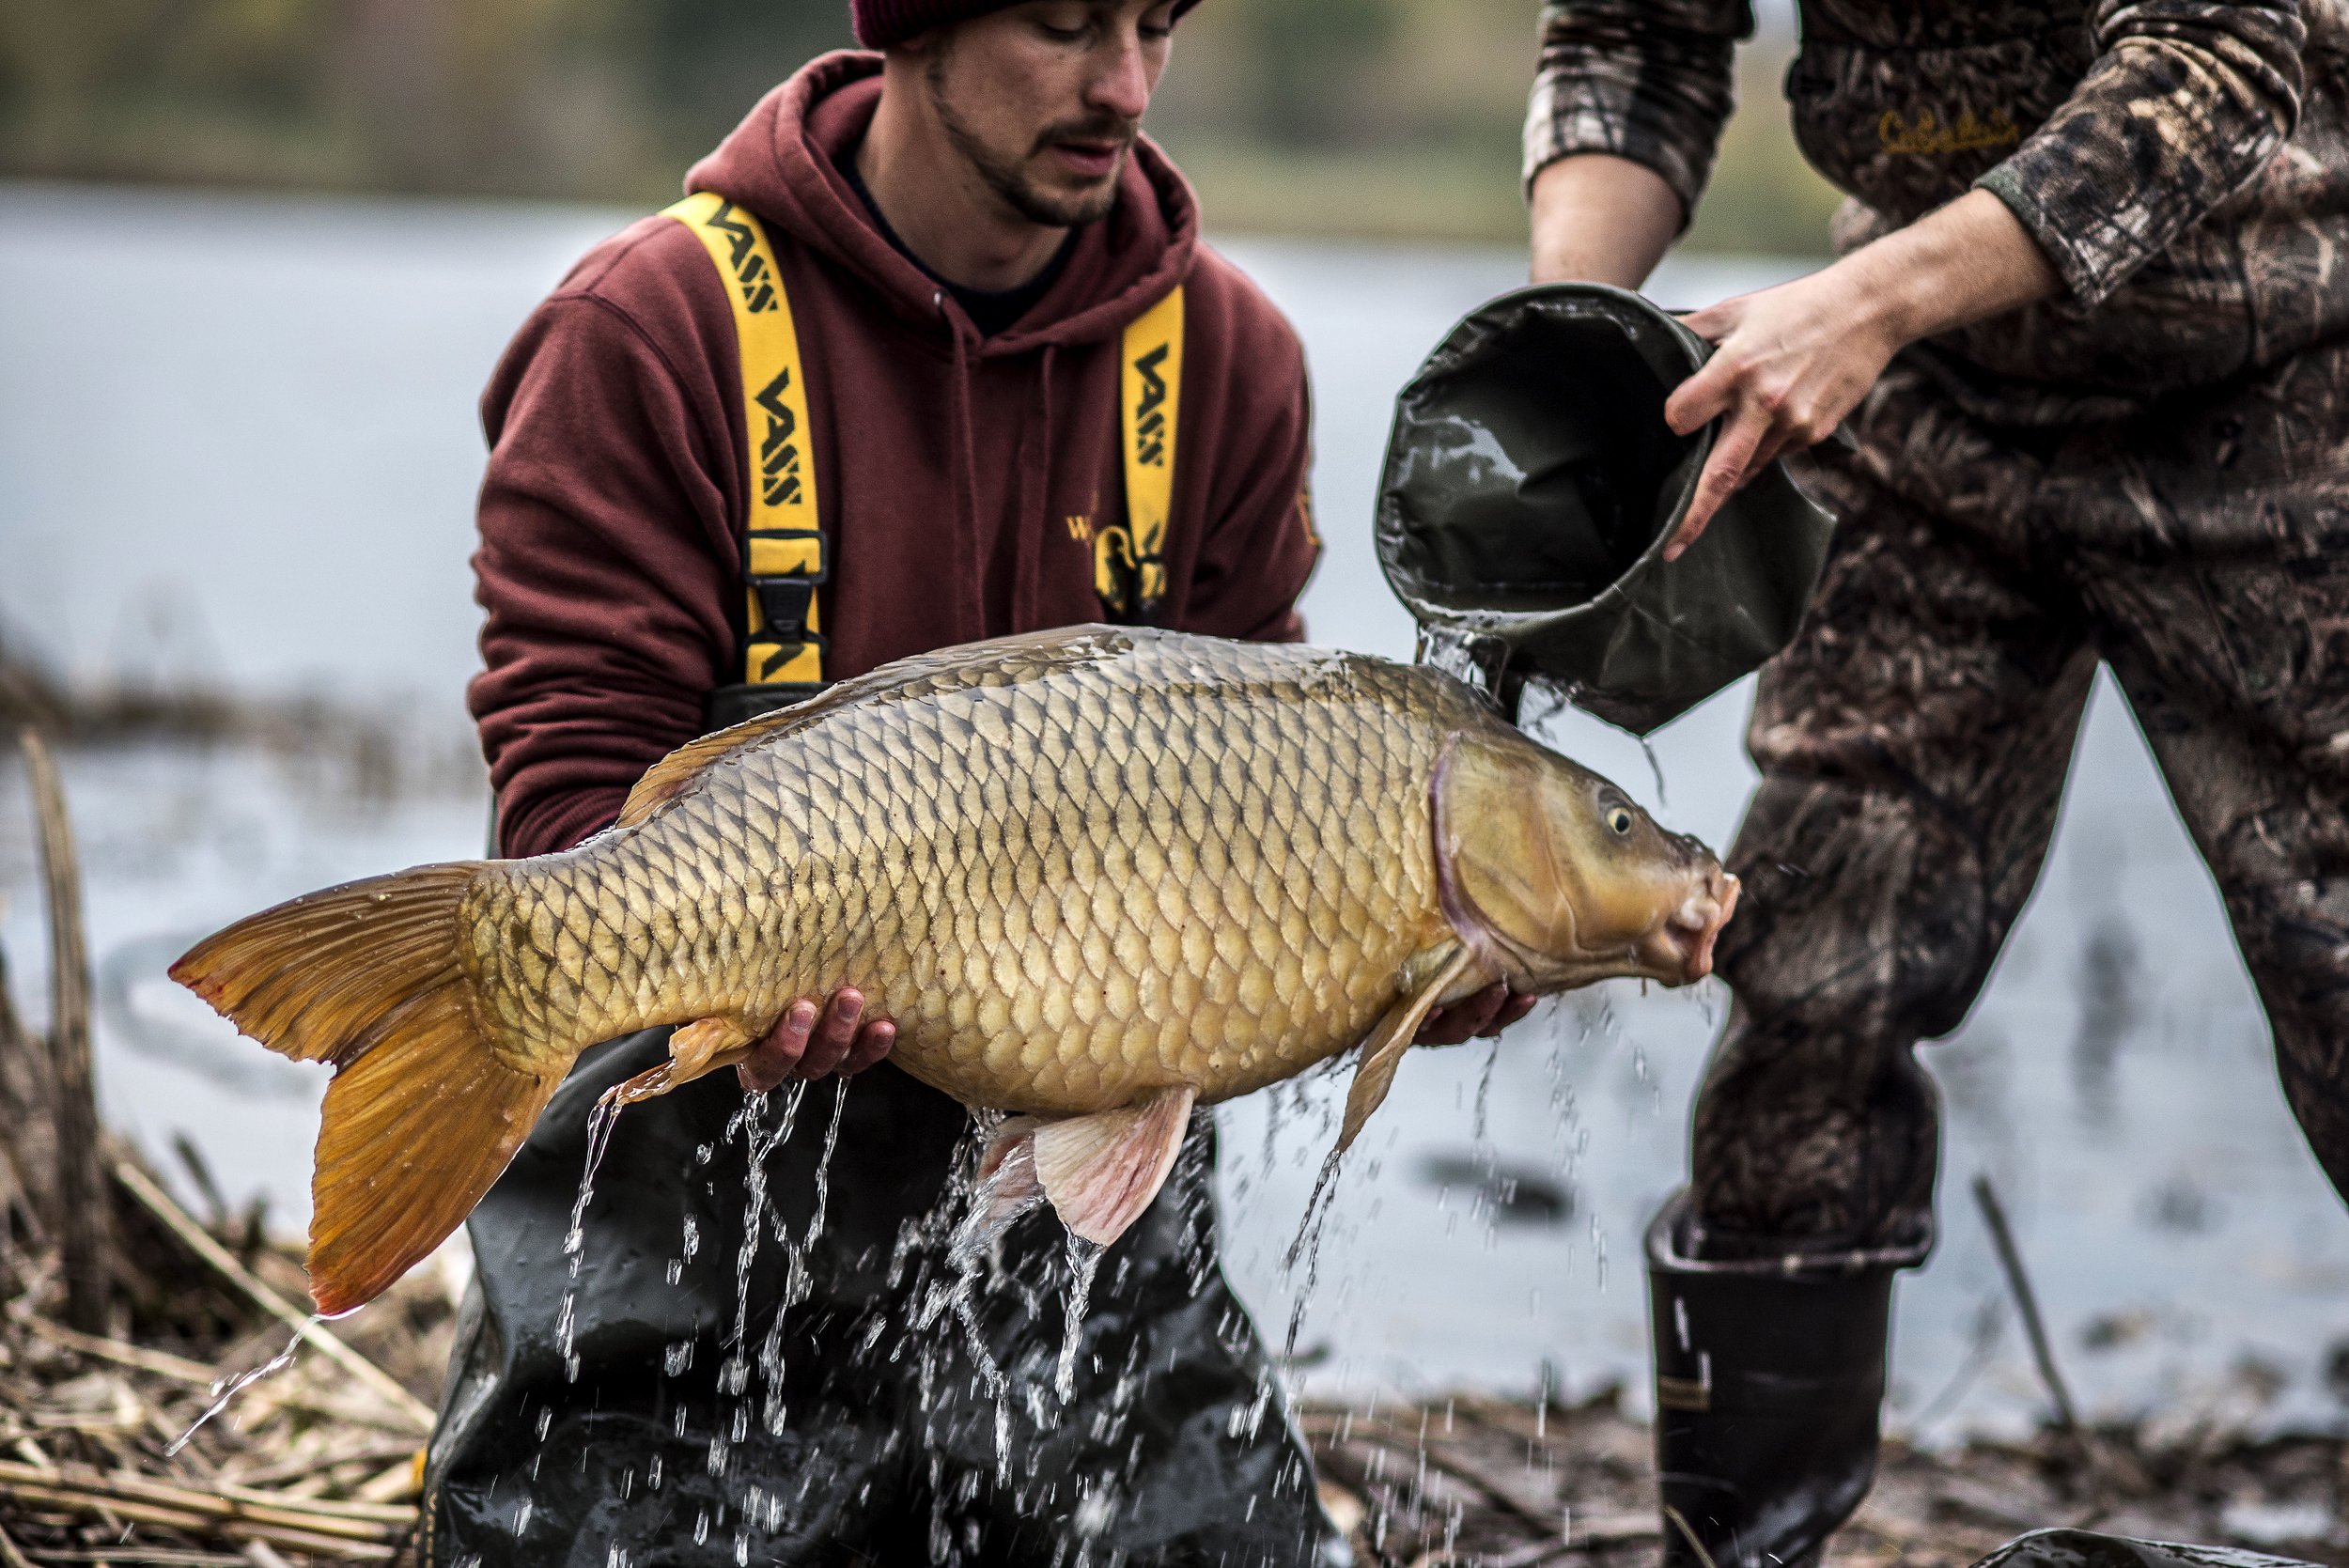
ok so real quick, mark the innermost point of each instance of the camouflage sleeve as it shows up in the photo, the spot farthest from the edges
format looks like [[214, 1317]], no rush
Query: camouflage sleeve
[[1647, 80], [2187, 99]]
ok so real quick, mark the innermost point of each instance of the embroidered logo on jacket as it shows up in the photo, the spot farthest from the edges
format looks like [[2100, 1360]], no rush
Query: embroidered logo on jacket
[[1928, 138]]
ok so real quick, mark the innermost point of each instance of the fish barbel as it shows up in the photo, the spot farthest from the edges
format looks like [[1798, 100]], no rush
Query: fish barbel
[[1094, 877]]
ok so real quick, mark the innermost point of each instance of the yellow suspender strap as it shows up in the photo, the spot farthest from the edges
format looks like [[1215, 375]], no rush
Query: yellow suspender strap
[[784, 556], [1150, 398]]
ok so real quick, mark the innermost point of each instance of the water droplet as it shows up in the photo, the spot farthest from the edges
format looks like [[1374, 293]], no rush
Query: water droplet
[[1084, 1259], [224, 1392]]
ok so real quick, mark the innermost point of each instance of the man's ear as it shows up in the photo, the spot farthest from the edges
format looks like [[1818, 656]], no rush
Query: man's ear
[[923, 45]]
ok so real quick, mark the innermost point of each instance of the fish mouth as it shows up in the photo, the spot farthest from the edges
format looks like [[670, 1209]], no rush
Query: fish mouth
[[1683, 946]]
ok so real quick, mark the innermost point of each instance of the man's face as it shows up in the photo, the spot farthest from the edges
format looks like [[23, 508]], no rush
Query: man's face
[[1044, 100]]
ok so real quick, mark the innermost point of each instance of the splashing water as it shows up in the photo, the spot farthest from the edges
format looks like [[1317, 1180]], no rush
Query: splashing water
[[1656, 766], [1468, 657], [1484, 1154], [798, 1283], [1084, 1261], [1308, 1246], [987, 1202], [759, 1142], [229, 1388], [1540, 699], [600, 1124]]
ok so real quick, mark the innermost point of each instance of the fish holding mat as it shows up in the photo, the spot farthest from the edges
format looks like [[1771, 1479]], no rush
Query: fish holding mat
[[1095, 876]]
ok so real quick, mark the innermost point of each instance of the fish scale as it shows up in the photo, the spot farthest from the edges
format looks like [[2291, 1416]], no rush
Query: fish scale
[[1066, 880]]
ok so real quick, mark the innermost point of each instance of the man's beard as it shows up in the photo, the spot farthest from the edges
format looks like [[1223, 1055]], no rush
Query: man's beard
[[1010, 181]]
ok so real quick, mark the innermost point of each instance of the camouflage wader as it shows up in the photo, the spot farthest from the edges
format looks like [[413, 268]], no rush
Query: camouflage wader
[[2147, 469], [1914, 742]]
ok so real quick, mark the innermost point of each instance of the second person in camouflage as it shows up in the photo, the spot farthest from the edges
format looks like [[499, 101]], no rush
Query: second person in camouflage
[[2089, 332]]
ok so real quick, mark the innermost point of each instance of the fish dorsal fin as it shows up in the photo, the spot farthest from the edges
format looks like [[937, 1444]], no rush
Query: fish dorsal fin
[[1382, 1052], [665, 779], [972, 664], [1102, 1170]]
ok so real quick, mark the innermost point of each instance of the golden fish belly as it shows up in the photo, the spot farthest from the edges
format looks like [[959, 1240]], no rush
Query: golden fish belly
[[1068, 880]]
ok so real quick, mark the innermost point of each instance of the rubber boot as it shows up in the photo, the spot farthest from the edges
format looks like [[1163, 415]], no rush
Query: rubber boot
[[1770, 1375]]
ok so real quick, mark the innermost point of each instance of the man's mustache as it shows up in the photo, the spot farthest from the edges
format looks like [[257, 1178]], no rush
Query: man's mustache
[[1110, 128]]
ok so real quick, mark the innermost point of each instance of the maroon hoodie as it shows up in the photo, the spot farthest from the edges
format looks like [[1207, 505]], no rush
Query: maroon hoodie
[[948, 466]]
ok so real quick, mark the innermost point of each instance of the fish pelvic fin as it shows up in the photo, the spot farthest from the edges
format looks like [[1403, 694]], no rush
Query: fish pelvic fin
[[424, 1112], [707, 1045], [1382, 1052], [695, 1049], [1101, 1171]]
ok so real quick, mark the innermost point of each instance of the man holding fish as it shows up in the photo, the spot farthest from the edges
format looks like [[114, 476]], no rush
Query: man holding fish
[[966, 228], [2089, 337], [932, 355]]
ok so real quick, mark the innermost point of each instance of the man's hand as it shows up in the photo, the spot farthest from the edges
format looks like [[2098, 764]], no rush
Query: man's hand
[[1487, 1012], [1789, 363], [806, 1045]]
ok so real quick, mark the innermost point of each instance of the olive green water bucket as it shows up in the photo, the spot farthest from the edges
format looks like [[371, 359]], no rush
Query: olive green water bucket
[[1531, 484]]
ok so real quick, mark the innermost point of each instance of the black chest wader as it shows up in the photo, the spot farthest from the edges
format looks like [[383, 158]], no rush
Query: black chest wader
[[757, 1349]]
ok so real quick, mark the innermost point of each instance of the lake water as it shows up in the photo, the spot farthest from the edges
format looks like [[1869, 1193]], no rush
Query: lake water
[[237, 450]]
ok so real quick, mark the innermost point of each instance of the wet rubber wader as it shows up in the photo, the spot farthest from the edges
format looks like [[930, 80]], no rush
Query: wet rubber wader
[[1769, 1372], [1531, 485], [758, 1349]]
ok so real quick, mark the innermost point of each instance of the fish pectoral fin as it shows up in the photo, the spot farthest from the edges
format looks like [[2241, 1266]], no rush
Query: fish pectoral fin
[[707, 1045], [1382, 1052], [1102, 1170]]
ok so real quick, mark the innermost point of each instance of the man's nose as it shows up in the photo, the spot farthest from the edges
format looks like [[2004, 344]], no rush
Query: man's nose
[[1121, 85]]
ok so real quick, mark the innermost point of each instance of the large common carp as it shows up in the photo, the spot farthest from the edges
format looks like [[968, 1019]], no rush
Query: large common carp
[[1094, 877]]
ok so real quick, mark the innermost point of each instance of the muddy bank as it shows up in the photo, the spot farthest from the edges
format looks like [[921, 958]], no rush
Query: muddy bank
[[1472, 1480]]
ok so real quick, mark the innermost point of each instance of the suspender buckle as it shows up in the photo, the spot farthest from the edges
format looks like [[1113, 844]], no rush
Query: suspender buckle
[[783, 605], [782, 568]]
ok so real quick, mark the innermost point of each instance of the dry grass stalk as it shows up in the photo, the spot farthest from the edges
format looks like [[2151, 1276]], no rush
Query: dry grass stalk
[[78, 1220], [298, 1471], [305, 1324]]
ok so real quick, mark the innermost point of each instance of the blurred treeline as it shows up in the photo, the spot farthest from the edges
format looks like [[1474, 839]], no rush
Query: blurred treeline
[[1387, 117]]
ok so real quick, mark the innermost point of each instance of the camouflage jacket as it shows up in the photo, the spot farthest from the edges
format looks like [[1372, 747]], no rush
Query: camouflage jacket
[[2184, 163]]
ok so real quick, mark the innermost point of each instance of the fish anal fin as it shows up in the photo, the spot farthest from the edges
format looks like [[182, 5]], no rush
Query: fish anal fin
[[1009, 1140], [1007, 1181], [1102, 1170], [1382, 1052]]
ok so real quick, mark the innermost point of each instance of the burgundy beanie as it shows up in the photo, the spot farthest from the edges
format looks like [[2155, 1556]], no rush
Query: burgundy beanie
[[882, 23]]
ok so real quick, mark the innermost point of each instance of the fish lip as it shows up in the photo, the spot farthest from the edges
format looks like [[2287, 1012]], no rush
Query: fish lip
[[1686, 937]]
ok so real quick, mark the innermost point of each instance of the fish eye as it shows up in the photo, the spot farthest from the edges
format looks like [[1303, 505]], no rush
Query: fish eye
[[1619, 818]]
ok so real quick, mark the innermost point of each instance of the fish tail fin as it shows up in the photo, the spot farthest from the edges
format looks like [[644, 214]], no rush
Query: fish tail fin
[[424, 1114]]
